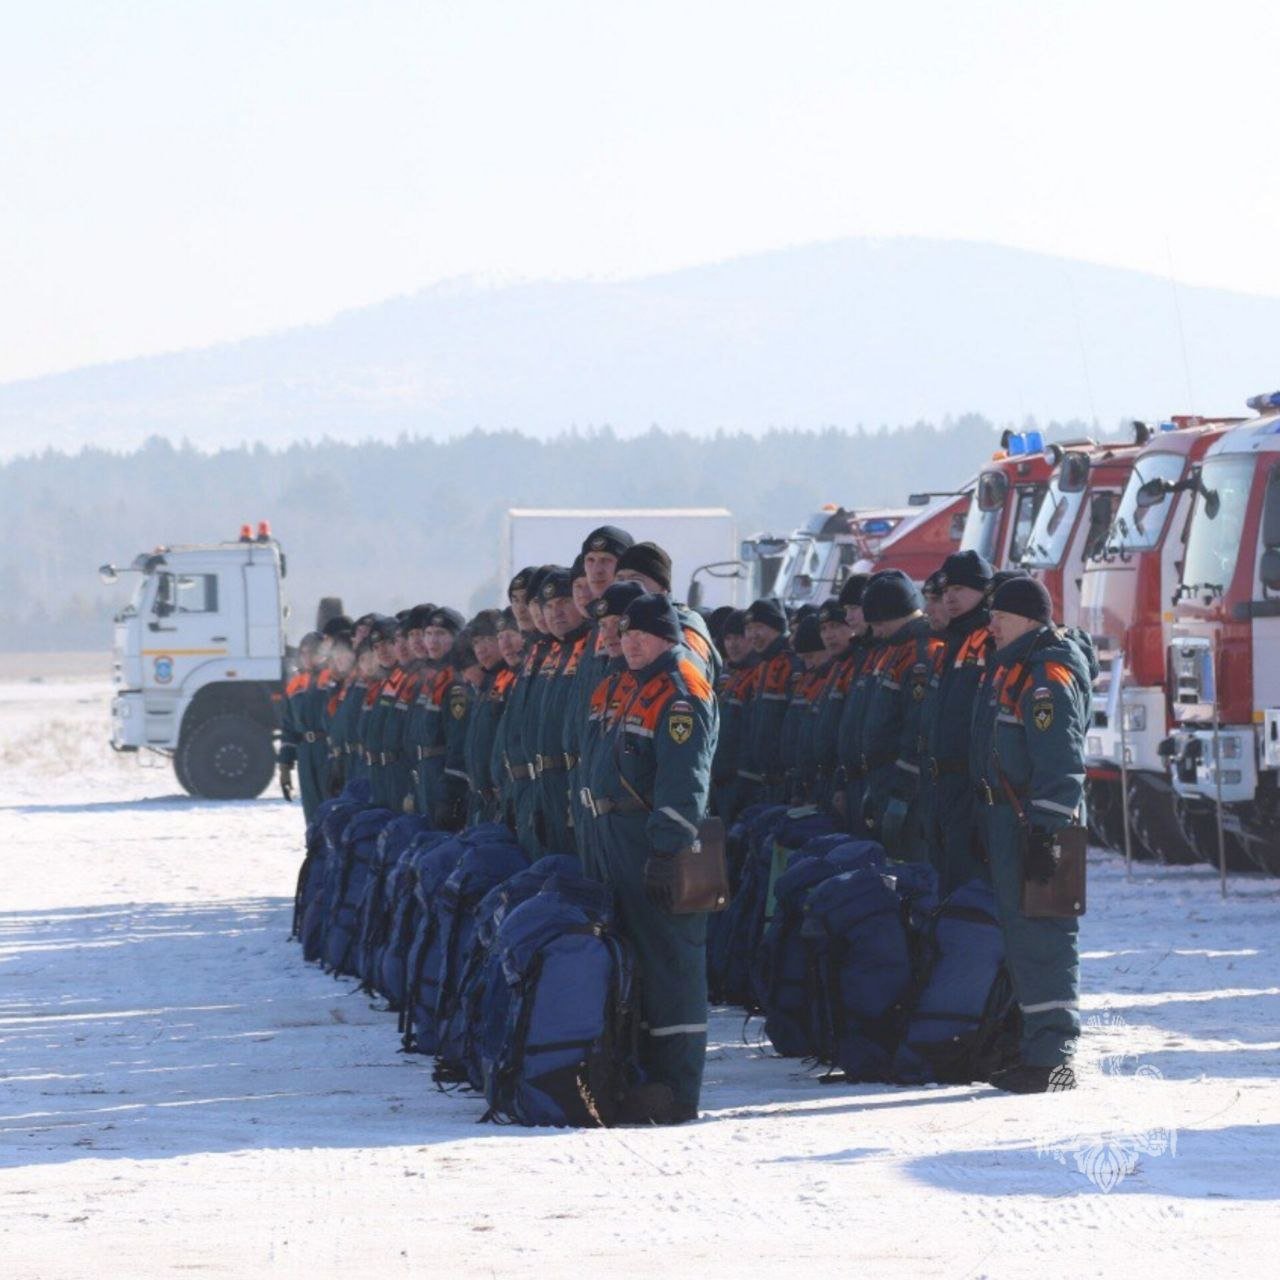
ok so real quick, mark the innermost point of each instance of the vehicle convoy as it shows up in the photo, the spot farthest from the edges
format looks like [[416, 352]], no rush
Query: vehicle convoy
[[924, 539], [1126, 605], [199, 661], [702, 543], [1006, 499], [812, 562], [1224, 654]]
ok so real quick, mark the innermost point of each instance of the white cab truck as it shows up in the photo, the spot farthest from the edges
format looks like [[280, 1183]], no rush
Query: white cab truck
[[199, 662], [701, 541]]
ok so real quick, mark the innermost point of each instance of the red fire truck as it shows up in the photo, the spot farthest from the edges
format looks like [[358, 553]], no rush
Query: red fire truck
[[1006, 498], [1224, 656]]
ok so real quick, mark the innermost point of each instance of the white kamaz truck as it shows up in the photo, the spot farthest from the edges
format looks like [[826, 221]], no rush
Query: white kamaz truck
[[200, 659]]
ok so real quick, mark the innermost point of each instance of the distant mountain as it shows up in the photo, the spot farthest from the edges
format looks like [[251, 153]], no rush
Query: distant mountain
[[856, 331]]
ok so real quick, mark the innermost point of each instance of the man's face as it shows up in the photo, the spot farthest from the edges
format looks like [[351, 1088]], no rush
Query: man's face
[[760, 635], [511, 646], [562, 616], [361, 635], [536, 619], [417, 646], [386, 652], [935, 609], [404, 649], [582, 594], [437, 641], [835, 636], [812, 659], [601, 567], [1008, 627], [640, 648], [884, 630], [520, 607], [487, 652], [853, 616], [368, 663], [961, 600], [634, 575], [341, 660], [308, 658], [736, 647], [612, 636]]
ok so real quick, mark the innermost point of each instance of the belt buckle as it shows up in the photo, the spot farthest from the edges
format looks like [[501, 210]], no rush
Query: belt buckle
[[537, 763]]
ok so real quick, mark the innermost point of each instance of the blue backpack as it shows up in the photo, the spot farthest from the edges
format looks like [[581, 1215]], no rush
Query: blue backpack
[[962, 1024], [373, 919], [785, 980], [320, 870], [565, 1051], [480, 981], [359, 841], [401, 892], [481, 869], [862, 967]]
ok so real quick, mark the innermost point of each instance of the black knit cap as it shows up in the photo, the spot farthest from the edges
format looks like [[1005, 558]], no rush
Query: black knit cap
[[650, 559], [1001, 576], [831, 611], [609, 539], [507, 620], [768, 611], [854, 585], [556, 585], [808, 637], [419, 617], [966, 569], [341, 626], [449, 619], [383, 628], [889, 595], [934, 585], [1025, 597], [312, 640], [521, 581], [654, 614], [716, 620], [485, 623], [614, 602], [735, 624]]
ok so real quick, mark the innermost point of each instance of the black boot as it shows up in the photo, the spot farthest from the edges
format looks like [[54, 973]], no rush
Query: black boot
[[653, 1103], [1028, 1079]]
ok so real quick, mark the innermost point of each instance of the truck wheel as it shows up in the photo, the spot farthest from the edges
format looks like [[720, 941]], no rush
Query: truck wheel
[[180, 770], [228, 757]]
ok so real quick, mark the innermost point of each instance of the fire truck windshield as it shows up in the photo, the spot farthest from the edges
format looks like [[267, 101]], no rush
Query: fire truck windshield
[[1213, 545], [1051, 532], [1138, 528]]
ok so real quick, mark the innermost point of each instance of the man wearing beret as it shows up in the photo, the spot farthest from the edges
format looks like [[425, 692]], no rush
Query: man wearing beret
[[485, 712], [760, 759], [649, 784], [892, 606], [648, 564], [1027, 758], [728, 790], [946, 718], [612, 689], [553, 703], [798, 724]]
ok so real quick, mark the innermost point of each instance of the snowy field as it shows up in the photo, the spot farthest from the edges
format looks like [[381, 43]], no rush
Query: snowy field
[[180, 1093]]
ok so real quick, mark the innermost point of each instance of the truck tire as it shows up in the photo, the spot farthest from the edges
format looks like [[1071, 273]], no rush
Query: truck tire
[[227, 757], [180, 770]]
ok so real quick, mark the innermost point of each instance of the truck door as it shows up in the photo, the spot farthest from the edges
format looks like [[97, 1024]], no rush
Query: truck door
[[184, 627], [1266, 625]]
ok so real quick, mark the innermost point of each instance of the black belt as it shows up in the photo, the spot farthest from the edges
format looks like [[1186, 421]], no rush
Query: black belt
[[521, 772], [943, 766], [604, 805], [985, 795], [314, 735], [429, 753], [554, 764]]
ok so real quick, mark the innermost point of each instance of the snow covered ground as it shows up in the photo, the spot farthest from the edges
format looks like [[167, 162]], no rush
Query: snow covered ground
[[179, 1092]]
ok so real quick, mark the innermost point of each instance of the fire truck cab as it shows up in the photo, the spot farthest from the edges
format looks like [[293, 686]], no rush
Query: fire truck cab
[[1006, 498]]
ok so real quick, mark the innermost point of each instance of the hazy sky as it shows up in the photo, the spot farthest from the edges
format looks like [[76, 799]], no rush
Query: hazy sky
[[182, 172]]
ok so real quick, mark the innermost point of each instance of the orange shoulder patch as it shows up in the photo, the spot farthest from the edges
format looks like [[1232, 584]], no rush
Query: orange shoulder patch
[[697, 683], [1059, 673]]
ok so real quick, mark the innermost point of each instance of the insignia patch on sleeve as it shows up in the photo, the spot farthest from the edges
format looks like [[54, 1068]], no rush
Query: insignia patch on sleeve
[[680, 723], [457, 704], [1042, 715]]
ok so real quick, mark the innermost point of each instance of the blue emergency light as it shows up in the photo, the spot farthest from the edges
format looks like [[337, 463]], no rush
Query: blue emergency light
[[1017, 446], [1035, 441], [1168, 426], [1270, 400], [876, 526]]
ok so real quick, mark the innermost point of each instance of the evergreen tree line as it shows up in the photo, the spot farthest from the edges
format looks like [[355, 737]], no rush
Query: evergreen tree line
[[387, 524]]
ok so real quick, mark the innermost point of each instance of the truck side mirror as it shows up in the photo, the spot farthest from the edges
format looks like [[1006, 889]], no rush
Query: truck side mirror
[[108, 574], [695, 594], [1269, 569], [1152, 494]]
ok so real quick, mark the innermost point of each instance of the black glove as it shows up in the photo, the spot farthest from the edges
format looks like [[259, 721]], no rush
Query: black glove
[[660, 880], [286, 781], [1042, 856]]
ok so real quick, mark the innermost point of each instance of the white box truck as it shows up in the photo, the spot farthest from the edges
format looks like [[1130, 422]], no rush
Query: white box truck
[[701, 541]]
